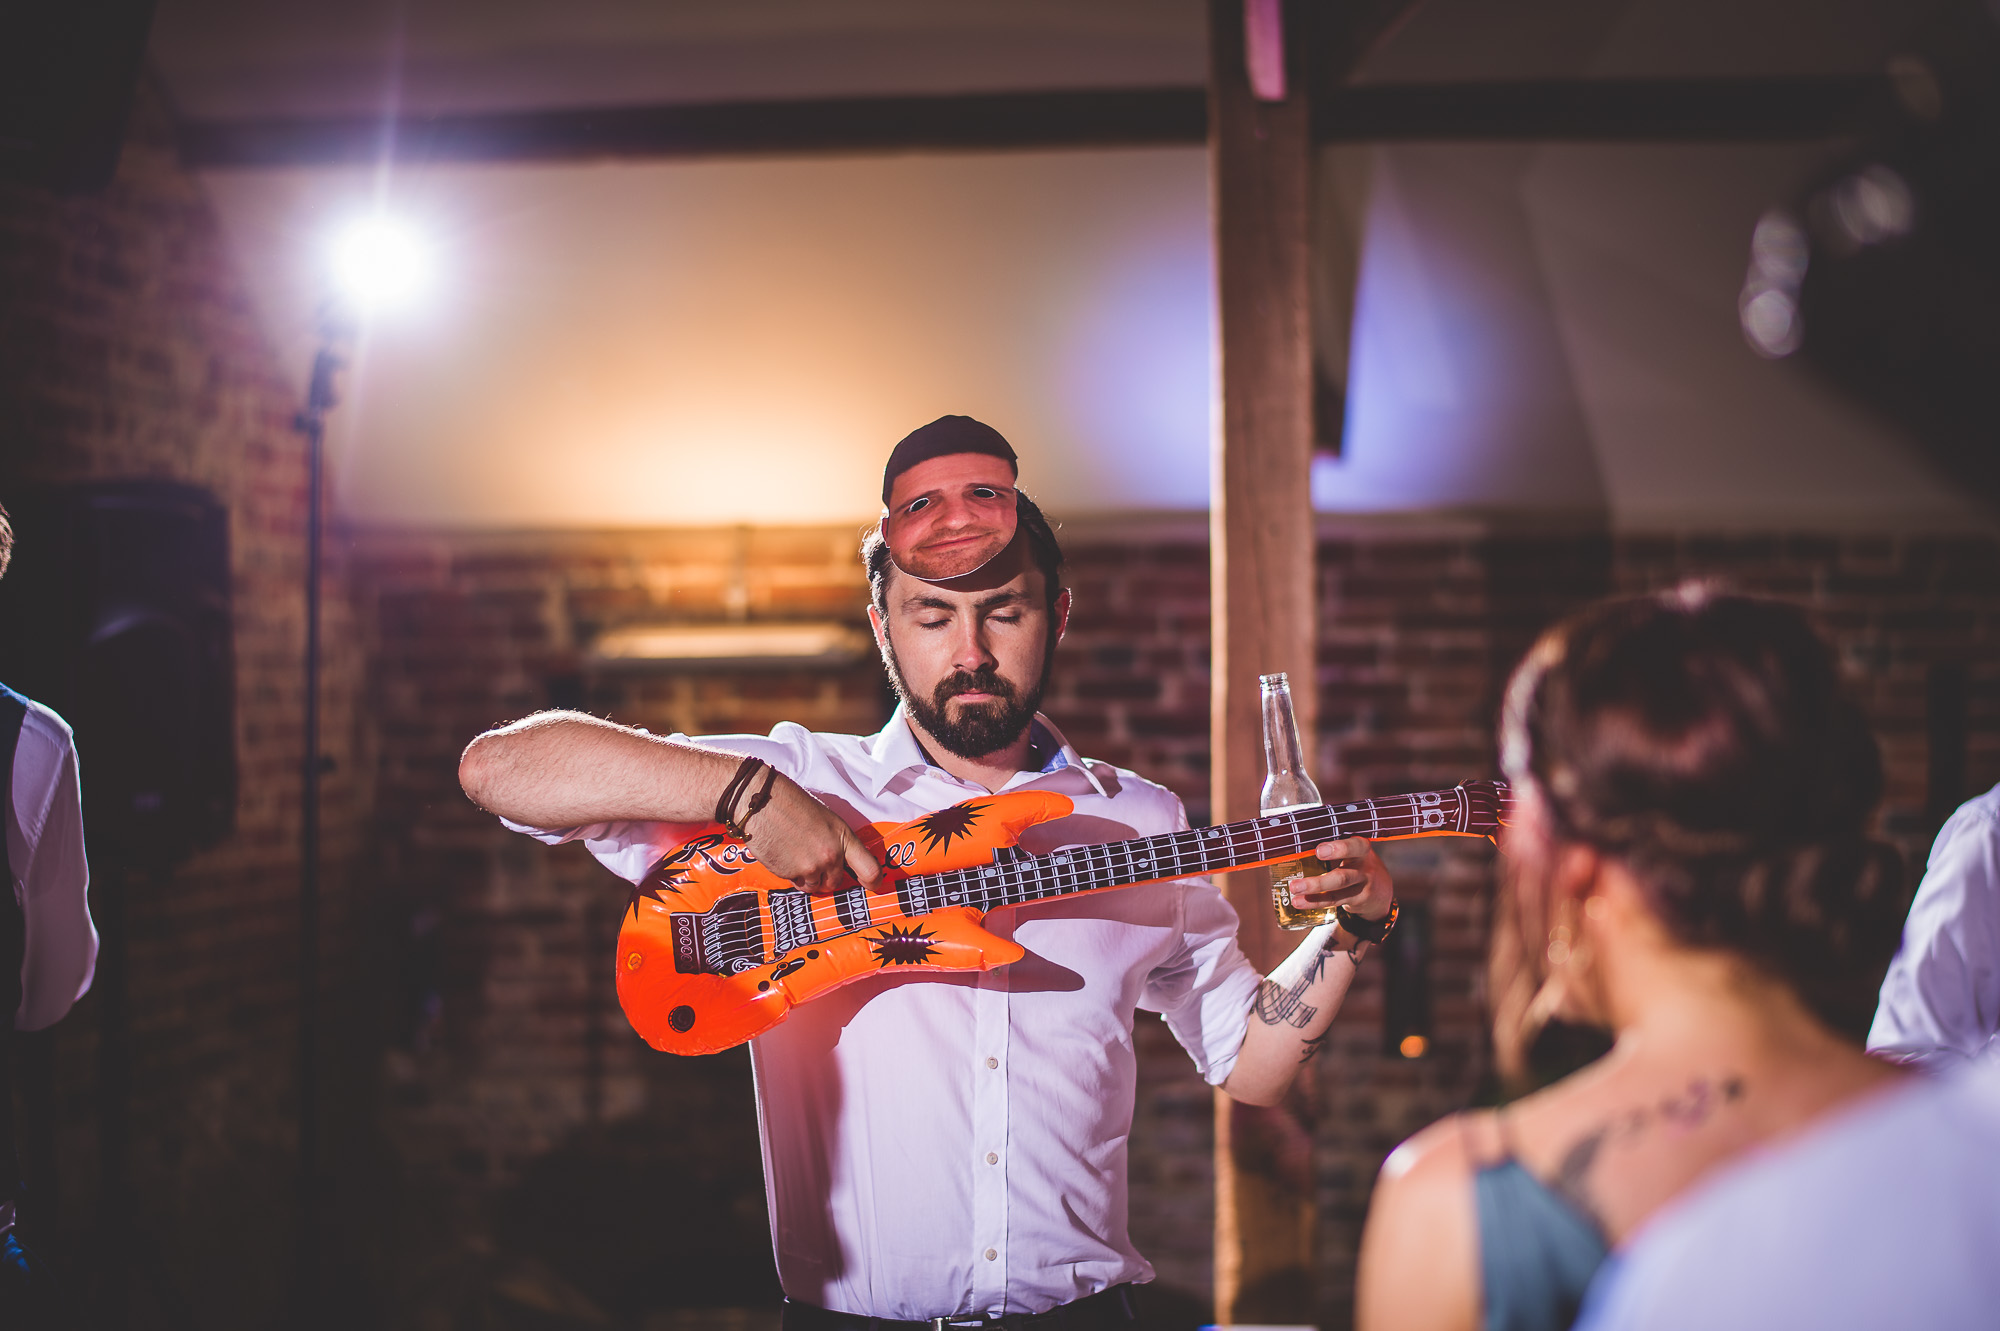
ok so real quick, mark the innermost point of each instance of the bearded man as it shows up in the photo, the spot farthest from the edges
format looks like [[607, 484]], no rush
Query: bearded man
[[944, 1148]]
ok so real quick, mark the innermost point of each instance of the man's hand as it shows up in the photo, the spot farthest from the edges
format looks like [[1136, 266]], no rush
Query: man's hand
[[1358, 880], [797, 837]]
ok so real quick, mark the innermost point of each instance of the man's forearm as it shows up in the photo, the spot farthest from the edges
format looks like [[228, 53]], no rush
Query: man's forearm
[[1290, 1018], [563, 769]]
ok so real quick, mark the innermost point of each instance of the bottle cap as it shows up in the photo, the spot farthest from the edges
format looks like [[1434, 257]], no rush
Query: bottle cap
[[1269, 681]]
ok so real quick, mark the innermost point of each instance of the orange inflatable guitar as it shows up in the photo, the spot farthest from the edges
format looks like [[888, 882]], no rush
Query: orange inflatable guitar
[[716, 949]]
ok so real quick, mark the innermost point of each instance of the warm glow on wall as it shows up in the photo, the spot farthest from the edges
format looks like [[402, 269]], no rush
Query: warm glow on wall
[[724, 342]]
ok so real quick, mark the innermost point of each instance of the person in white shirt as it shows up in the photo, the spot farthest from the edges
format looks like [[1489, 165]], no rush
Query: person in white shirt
[[45, 859], [1941, 998], [954, 1146], [1884, 1213], [48, 945]]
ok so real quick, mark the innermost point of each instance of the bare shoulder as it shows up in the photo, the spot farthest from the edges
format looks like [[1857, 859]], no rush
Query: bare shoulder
[[1419, 1251], [1438, 1154]]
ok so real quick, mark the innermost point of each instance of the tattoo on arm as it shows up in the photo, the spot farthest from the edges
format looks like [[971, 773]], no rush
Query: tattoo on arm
[[1310, 1049], [1285, 1004], [1278, 1005]]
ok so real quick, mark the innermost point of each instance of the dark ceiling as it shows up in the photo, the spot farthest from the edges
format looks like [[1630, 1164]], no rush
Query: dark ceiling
[[236, 59]]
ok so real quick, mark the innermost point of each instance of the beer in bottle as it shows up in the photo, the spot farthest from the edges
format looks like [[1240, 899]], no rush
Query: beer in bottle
[[1287, 787]]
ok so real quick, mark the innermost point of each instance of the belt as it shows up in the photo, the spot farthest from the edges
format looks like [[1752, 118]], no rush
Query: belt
[[1106, 1310]]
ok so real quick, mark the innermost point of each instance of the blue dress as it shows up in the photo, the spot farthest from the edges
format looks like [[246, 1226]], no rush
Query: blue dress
[[1537, 1250]]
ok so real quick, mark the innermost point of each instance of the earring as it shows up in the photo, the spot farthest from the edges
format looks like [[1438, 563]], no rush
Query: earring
[[1568, 957]]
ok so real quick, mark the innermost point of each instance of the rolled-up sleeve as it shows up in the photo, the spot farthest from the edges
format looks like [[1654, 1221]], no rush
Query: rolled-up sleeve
[[1940, 1001], [1205, 989], [628, 849]]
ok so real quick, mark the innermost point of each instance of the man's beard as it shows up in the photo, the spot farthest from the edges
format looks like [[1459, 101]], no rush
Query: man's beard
[[981, 728]]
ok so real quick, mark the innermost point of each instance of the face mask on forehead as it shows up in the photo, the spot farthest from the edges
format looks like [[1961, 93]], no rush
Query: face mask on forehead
[[948, 521], [948, 498]]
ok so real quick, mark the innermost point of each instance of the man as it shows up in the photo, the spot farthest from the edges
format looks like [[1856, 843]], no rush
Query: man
[[1941, 998], [954, 1145], [48, 945]]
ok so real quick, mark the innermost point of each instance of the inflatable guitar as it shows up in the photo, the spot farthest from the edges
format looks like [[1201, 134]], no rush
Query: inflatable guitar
[[717, 949]]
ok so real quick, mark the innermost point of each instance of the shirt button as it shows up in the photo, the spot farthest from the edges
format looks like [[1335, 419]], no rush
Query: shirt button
[[992, 1157], [992, 1062], [992, 1254]]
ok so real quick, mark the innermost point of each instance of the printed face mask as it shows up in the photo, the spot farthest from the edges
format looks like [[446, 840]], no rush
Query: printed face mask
[[950, 516]]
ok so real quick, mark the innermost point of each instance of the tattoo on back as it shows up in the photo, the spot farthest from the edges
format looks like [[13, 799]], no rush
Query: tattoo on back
[[1681, 1113], [1573, 1174]]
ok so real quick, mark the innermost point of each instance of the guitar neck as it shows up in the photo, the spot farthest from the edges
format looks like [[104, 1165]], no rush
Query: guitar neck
[[1473, 809]]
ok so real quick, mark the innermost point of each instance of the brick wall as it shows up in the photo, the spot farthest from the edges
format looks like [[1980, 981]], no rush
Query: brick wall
[[536, 1136], [128, 350], [526, 1075]]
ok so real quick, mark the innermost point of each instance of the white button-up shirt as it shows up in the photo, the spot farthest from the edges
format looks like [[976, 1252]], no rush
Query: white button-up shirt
[[955, 1143], [44, 830], [1941, 998]]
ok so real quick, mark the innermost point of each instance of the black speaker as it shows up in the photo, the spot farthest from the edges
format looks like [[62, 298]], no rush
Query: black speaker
[[67, 71], [115, 612]]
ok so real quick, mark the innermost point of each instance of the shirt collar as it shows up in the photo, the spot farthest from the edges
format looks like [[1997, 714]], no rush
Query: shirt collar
[[895, 750]]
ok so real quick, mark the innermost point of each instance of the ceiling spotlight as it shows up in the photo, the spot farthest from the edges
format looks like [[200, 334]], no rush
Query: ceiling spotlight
[[380, 263]]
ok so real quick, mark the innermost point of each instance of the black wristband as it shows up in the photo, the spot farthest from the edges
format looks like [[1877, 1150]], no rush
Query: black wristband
[[1366, 930]]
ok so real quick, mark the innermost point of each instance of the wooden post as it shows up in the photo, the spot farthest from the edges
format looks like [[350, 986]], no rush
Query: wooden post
[[1262, 579]]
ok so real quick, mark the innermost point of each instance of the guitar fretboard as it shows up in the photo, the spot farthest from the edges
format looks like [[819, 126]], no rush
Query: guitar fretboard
[[732, 935], [1199, 850]]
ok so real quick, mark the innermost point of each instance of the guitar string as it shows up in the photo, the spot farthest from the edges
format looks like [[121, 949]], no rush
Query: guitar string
[[1041, 877], [1050, 875]]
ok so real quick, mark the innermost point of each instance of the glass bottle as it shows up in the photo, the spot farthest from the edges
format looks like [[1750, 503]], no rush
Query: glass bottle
[[1287, 787]]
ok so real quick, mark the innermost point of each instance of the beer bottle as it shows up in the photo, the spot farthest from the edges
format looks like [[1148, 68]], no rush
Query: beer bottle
[[1287, 787]]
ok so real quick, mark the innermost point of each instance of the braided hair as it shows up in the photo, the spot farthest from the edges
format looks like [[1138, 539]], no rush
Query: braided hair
[[1705, 742]]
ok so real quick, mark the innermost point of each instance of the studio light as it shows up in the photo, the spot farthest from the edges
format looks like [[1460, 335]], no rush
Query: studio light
[[380, 263]]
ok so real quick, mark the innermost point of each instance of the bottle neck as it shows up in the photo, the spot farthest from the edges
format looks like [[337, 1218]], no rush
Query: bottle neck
[[1283, 753], [1286, 785]]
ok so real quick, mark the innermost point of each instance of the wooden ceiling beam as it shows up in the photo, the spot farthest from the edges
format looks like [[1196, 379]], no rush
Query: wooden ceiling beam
[[1727, 110], [1066, 119]]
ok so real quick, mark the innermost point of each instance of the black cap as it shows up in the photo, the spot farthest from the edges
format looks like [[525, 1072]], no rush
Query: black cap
[[941, 438]]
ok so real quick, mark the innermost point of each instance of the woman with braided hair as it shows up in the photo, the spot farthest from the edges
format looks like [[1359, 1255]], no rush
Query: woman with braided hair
[[1689, 867]]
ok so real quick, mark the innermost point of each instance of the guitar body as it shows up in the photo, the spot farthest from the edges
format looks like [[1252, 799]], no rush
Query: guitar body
[[682, 1010], [716, 949]]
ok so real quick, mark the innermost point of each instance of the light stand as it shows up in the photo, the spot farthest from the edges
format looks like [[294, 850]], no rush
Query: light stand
[[321, 396], [377, 263]]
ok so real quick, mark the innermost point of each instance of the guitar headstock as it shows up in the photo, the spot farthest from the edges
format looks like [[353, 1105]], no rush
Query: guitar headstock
[[1491, 806]]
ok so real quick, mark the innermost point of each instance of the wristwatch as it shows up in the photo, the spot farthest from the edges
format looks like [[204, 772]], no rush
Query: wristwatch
[[1364, 929]]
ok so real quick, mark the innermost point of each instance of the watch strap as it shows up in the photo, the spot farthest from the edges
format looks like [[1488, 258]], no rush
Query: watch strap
[[1367, 930]]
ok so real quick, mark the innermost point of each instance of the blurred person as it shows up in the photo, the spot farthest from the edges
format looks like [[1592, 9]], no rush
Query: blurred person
[[945, 1147], [1941, 999], [1689, 867], [48, 945], [1883, 1214]]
